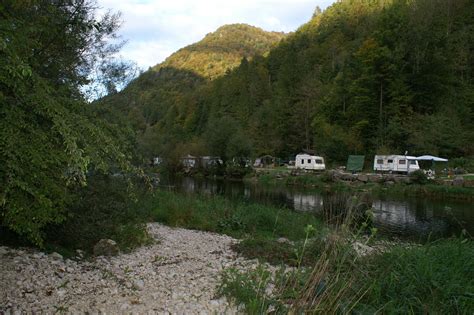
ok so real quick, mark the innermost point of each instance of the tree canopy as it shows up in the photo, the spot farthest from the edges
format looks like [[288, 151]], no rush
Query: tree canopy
[[50, 137]]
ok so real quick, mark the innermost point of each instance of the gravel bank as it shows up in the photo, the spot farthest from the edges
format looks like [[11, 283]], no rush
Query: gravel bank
[[177, 275]]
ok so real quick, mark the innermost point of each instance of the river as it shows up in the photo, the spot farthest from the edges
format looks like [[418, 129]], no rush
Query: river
[[402, 217]]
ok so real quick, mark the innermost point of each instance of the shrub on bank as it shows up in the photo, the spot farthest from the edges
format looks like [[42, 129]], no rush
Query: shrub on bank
[[103, 209], [418, 177]]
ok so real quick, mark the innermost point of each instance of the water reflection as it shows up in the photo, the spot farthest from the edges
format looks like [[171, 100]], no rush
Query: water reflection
[[302, 202], [408, 217]]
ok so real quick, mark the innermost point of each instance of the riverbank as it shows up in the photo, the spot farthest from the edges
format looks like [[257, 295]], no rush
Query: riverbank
[[401, 185], [177, 274], [244, 258], [190, 272]]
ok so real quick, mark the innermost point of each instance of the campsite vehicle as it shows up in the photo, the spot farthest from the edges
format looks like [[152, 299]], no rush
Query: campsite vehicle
[[309, 162], [396, 163], [189, 161]]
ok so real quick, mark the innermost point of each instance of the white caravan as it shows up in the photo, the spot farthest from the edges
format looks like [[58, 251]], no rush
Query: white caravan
[[310, 162], [395, 163]]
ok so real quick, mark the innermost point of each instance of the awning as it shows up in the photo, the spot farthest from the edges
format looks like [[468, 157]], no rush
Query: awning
[[431, 158]]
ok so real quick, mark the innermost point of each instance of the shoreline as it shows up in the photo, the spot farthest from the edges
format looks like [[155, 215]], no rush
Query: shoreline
[[177, 274]]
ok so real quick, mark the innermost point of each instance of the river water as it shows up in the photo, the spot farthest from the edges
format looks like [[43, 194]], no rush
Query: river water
[[403, 217]]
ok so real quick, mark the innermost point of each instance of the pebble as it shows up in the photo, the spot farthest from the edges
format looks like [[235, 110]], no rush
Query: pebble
[[177, 275]]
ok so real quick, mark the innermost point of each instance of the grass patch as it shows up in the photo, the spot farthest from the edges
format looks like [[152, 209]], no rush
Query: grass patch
[[434, 278], [238, 219], [322, 285]]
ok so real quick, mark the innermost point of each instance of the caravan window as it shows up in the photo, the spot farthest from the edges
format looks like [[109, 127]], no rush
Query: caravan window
[[379, 161], [319, 161], [412, 162], [390, 161], [302, 161], [309, 160], [402, 162]]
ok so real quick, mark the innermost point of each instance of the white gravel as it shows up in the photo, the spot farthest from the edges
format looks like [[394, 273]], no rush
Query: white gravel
[[176, 275]]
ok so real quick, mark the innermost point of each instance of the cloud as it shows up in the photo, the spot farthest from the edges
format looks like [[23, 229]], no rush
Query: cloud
[[154, 29]]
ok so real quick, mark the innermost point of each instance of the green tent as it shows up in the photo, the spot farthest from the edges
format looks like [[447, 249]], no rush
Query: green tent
[[355, 163]]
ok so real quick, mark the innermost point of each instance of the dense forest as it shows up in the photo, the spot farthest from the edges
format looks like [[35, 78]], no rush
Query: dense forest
[[362, 77]]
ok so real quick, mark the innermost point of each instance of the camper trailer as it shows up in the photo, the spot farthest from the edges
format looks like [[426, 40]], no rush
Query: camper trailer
[[310, 162], [395, 163]]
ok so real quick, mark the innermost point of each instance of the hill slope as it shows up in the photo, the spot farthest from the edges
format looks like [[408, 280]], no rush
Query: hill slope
[[222, 50], [362, 77], [159, 101]]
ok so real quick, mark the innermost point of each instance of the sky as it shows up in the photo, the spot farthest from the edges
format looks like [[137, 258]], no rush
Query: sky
[[154, 29]]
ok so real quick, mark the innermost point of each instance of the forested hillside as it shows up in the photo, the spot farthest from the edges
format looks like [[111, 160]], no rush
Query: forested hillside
[[362, 77], [161, 103]]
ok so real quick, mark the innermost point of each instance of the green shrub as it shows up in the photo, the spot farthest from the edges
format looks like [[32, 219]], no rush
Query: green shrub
[[247, 288], [418, 177], [103, 209]]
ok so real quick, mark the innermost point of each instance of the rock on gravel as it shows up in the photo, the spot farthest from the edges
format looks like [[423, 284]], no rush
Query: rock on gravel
[[178, 275], [106, 247]]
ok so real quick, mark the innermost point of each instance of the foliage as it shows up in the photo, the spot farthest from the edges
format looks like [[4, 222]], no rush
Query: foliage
[[237, 219], [323, 285], [103, 209], [434, 278], [222, 50], [247, 288], [164, 104], [360, 77], [418, 177], [49, 137]]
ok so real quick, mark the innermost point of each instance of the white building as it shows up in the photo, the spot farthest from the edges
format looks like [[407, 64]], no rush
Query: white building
[[309, 162], [395, 163]]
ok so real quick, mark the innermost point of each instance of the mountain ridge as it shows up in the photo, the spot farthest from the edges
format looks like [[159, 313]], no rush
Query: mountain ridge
[[222, 50]]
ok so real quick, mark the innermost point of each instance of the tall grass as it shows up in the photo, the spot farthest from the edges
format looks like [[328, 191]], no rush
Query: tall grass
[[235, 218], [321, 285], [436, 278]]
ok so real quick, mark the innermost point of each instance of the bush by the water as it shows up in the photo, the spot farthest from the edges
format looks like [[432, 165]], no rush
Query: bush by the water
[[418, 177], [104, 209]]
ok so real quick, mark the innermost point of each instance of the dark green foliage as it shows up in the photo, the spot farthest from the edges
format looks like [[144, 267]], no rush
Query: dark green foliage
[[169, 104], [434, 278], [419, 177], [49, 136], [268, 250], [102, 209], [406, 279]]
